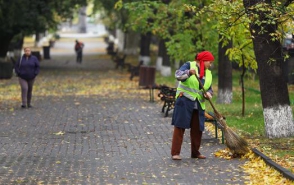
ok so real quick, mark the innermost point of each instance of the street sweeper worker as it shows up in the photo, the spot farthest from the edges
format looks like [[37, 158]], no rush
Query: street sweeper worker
[[190, 103]]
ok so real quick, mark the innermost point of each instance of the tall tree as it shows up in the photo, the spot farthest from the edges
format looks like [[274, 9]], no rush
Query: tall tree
[[29, 17], [225, 94], [161, 48], [257, 47], [132, 42], [265, 19], [184, 35], [115, 19], [82, 19], [145, 48], [235, 44]]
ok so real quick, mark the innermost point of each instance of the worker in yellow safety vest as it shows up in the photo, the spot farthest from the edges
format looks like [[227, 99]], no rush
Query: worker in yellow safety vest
[[190, 103]]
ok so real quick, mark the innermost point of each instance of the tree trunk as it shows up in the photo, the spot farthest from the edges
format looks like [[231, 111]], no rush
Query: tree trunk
[[166, 67], [120, 36], [132, 42], [37, 38], [289, 67], [277, 112], [160, 54], [225, 93], [5, 41], [6, 66], [145, 48], [82, 20]]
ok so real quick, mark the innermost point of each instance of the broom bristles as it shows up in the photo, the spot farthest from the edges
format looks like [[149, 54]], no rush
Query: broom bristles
[[234, 142]]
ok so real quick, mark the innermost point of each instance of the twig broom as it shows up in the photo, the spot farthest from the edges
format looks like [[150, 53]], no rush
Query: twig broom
[[235, 143]]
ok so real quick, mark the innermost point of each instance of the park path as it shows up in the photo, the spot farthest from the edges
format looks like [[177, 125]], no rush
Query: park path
[[91, 125]]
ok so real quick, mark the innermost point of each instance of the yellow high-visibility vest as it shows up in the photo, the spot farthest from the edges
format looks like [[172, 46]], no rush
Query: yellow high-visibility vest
[[190, 87]]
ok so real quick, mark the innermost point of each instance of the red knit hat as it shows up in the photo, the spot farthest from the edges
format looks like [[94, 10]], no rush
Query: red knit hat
[[203, 56]]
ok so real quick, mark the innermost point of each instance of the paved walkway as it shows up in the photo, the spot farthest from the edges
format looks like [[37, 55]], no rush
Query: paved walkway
[[100, 135]]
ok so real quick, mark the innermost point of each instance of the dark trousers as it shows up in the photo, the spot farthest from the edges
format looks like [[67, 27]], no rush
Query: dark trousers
[[26, 90], [195, 137], [79, 56]]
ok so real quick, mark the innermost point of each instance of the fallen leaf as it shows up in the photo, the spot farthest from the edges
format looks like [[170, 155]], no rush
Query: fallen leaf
[[59, 133]]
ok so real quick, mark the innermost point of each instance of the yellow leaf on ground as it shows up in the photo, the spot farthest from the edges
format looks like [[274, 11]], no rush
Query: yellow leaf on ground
[[59, 133]]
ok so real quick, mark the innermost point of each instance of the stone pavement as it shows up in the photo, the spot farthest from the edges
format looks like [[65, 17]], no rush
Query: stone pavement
[[101, 138]]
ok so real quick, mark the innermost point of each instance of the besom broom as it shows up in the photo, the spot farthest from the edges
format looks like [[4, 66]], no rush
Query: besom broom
[[235, 143]]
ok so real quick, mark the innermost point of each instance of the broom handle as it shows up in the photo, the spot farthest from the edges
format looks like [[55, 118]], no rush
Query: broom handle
[[201, 85]]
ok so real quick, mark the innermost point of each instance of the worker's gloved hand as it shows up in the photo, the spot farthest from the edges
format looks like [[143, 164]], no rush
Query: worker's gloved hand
[[207, 95], [192, 72]]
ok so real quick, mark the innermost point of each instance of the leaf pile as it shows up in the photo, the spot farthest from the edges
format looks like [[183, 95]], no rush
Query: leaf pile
[[258, 171], [261, 173]]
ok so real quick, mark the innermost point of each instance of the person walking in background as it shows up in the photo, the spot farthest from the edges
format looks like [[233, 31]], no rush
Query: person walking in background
[[189, 107], [27, 68], [79, 51]]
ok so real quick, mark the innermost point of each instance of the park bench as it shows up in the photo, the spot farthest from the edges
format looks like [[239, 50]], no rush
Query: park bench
[[110, 49], [167, 95], [210, 118], [134, 70], [119, 60]]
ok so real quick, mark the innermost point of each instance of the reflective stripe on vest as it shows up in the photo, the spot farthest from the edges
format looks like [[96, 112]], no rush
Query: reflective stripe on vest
[[190, 87]]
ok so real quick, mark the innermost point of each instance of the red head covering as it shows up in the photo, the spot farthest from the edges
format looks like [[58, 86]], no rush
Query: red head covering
[[201, 57]]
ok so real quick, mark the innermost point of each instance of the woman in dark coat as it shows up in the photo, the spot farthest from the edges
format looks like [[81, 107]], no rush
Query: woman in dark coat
[[27, 68], [190, 103]]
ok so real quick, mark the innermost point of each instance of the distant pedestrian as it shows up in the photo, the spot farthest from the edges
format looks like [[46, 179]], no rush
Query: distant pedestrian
[[190, 105], [27, 68], [79, 51]]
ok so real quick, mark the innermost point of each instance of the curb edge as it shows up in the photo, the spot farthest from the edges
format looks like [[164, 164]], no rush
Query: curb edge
[[286, 173]]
